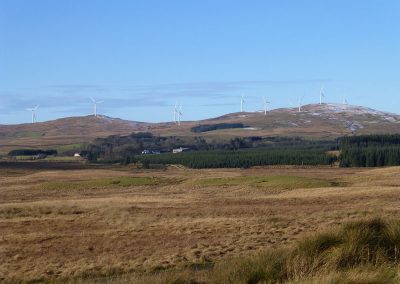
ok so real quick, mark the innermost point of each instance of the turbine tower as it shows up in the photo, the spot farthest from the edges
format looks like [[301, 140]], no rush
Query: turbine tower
[[175, 112], [179, 114], [33, 110], [266, 102], [321, 95], [300, 103], [95, 105], [242, 102]]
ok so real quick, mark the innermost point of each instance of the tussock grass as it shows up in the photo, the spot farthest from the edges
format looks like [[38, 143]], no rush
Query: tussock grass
[[358, 252], [364, 275], [108, 182], [335, 255], [274, 182]]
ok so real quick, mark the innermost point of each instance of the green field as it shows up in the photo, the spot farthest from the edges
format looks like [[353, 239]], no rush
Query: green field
[[108, 182]]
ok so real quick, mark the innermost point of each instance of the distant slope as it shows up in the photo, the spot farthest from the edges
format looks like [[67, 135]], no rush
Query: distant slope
[[318, 121], [64, 131], [326, 120]]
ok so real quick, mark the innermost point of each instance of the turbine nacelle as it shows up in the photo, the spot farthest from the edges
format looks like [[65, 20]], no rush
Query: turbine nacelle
[[33, 110], [95, 103]]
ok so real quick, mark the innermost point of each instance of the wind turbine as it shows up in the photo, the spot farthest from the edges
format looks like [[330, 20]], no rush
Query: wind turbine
[[95, 105], [179, 113], [33, 110], [300, 103], [242, 102], [175, 112], [266, 102], [321, 95]]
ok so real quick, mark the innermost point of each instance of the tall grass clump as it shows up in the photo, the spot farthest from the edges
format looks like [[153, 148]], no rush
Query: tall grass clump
[[360, 252], [335, 254]]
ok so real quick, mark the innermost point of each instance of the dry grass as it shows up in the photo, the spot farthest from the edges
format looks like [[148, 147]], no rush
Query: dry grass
[[110, 230], [273, 183], [109, 182]]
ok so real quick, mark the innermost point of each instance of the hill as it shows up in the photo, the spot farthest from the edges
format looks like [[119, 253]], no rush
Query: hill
[[323, 121], [313, 121], [64, 131]]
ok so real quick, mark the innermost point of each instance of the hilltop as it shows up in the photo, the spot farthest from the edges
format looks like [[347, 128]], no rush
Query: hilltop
[[314, 121]]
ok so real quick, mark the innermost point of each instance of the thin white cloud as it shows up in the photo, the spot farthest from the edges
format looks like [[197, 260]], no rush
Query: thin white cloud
[[75, 97]]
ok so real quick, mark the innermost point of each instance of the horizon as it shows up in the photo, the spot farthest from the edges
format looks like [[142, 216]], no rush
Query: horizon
[[207, 118], [142, 58]]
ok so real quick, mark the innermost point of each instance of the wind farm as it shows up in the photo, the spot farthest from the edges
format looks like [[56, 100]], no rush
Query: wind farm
[[199, 142], [327, 120], [177, 109]]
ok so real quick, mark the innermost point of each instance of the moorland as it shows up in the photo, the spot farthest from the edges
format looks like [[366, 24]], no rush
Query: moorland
[[123, 224]]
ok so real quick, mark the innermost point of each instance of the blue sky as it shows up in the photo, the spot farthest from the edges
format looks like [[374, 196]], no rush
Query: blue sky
[[141, 57]]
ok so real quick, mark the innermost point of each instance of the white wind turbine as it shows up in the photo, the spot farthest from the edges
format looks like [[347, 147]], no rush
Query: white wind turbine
[[266, 102], [177, 114], [175, 111], [321, 95], [242, 102], [300, 103], [95, 105], [33, 110]]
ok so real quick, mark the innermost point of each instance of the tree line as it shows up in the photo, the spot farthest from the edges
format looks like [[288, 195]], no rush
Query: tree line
[[218, 126], [370, 151], [32, 152], [240, 158]]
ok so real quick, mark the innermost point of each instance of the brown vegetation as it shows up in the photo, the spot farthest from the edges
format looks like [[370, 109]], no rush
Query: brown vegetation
[[125, 224]]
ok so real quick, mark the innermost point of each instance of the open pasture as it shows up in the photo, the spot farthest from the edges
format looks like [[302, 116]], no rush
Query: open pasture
[[71, 224]]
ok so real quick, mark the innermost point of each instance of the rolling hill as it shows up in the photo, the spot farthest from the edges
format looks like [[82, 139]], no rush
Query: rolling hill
[[314, 121]]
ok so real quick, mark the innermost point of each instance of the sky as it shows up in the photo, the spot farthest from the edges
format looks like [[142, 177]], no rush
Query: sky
[[143, 57]]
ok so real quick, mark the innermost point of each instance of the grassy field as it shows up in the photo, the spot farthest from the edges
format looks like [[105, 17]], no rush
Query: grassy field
[[267, 225]]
